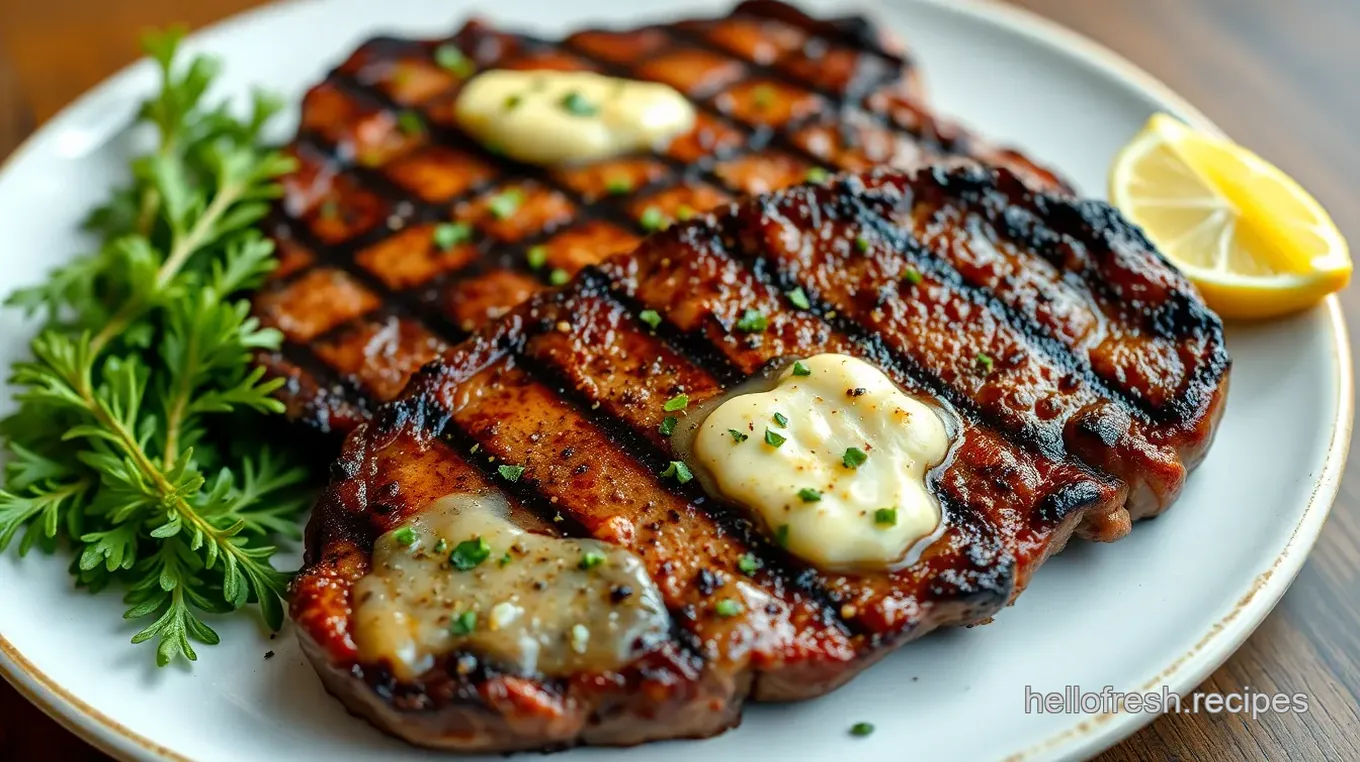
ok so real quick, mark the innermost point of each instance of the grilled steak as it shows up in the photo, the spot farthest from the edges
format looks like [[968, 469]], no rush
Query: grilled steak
[[1103, 379], [366, 295]]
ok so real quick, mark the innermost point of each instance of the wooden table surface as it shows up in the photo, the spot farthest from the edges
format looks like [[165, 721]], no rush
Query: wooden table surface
[[1278, 76]]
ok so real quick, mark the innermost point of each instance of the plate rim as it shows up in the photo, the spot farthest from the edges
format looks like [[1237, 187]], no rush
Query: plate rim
[[1078, 741]]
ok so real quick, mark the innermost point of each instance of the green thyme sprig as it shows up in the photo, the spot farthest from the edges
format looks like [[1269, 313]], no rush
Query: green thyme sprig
[[136, 440]]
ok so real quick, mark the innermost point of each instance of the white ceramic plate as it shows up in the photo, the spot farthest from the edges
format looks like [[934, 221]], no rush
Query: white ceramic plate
[[1163, 607]]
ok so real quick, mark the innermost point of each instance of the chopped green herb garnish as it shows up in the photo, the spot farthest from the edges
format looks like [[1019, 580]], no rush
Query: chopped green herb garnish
[[886, 516], [503, 205], [684, 212], [753, 321], [763, 96], [652, 219], [469, 554], [772, 439], [737, 436], [409, 122], [464, 624], [442, 546], [912, 276], [809, 495], [406, 536], [511, 102], [678, 470], [506, 559], [537, 256], [799, 298], [590, 559], [451, 59], [854, 457], [799, 369], [449, 234], [577, 105], [510, 473], [781, 535], [668, 425], [618, 185], [862, 243], [817, 175], [651, 317], [861, 729], [558, 277], [678, 402], [726, 608], [748, 564], [781, 419], [985, 363]]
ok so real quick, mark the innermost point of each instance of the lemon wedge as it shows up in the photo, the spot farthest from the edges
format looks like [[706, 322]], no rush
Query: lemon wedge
[[1255, 243]]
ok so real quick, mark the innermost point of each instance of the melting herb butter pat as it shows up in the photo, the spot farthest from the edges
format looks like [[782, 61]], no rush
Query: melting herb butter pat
[[833, 460], [545, 117], [461, 577]]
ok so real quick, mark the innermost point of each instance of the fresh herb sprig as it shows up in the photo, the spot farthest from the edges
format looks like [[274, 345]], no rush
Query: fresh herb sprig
[[136, 439]]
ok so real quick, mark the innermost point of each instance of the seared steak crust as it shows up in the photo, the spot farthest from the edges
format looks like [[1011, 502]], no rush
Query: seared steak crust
[[1105, 378], [365, 296]]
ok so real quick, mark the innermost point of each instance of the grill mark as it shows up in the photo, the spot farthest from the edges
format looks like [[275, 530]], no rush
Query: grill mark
[[1090, 431], [761, 136], [482, 426], [645, 444], [428, 410], [678, 658], [423, 304], [1057, 354], [690, 345], [469, 450], [857, 88], [1027, 219], [633, 422], [855, 31], [635, 275]]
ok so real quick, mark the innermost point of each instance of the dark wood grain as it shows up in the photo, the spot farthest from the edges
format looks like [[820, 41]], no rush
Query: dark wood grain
[[1280, 77]]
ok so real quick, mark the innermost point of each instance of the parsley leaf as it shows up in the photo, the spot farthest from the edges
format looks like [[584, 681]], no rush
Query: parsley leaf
[[136, 441], [679, 470], [752, 321], [727, 608], [449, 234], [453, 60], [503, 205], [748, 564], [653, 219], [854, 457], [469, 554], [464, 624], [678, 402]]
